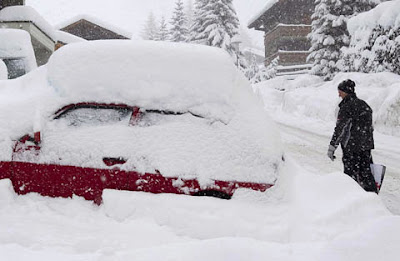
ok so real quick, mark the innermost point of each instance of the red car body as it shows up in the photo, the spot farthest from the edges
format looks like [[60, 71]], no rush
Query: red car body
[[56, 180]]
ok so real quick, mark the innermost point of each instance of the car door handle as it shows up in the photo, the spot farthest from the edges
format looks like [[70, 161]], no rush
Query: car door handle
[[109, 161]]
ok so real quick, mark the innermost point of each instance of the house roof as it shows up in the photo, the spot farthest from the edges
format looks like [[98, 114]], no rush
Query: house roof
[[96, 21], [283, 12], [267, 6], [68, 38], [27, 14]]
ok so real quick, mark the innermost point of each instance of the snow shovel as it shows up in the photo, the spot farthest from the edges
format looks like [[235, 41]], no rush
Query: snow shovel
[[378, 171]]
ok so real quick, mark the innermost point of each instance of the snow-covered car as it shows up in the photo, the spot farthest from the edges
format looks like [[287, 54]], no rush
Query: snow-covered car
[[146, 116]]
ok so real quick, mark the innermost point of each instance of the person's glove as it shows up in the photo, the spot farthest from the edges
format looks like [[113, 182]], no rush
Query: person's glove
[[331, 151]]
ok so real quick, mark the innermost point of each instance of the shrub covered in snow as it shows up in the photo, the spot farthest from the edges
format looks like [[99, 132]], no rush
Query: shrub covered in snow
[[375, 42]]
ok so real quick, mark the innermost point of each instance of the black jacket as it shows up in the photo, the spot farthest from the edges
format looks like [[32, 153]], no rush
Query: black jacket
[[354, 130]]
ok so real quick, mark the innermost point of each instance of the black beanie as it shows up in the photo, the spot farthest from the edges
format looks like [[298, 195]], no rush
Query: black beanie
[[347, 86]]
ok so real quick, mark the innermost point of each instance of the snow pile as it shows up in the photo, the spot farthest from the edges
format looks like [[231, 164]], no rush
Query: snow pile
[[15, 43], [3, 71], [27, 14], [312, 100], [386, 14], [308, 217]]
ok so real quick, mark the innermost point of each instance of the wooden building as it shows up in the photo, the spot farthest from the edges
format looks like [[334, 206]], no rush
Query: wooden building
[[286, 24], [90, 28]]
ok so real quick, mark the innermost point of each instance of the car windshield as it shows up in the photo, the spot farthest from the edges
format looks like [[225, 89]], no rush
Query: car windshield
[[96, 116]]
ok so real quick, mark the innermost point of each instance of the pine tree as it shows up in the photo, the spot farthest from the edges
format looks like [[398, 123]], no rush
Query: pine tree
[[150, 28], [329, 33], [189, 13], [216, 24], [196, 28], [179, 31], [163, 33]]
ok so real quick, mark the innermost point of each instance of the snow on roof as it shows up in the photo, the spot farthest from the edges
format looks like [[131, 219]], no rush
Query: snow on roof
[[96, 21], [68, 38], [385, 14], [267, 5], [174, 76], [26, 14], [15, 43]]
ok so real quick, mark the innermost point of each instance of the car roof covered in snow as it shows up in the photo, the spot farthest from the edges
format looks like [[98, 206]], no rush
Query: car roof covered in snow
[[149, 74]]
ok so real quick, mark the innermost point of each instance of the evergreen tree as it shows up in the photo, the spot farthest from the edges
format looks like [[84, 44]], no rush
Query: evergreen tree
[[329, 33], [196, 28], [216, 24], [189, 13], [179, 31], [163, 33], [380, 53], [150, 28]]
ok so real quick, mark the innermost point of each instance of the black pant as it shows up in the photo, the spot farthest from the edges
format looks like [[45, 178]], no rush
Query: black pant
[[357, 166]]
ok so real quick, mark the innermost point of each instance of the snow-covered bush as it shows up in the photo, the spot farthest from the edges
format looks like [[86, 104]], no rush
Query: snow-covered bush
[[329, 32], [375, 42], [3, 71]]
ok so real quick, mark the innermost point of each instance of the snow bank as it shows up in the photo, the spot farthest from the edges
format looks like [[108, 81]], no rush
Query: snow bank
[[319, 217], [3, 71], [15, 43], [385, 14], [309, 98], [27, 14]]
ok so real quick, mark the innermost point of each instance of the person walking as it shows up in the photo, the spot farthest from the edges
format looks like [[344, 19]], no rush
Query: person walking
[[354, 132]]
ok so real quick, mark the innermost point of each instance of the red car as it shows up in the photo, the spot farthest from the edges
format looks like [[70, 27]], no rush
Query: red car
[[183, 148]]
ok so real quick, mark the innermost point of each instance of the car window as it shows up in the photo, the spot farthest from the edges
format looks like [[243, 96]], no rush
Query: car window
[[16, 67], [155, 117], [96, 116]]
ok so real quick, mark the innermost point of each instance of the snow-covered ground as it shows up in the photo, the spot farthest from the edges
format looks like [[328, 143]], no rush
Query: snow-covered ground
[[315, 212]]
